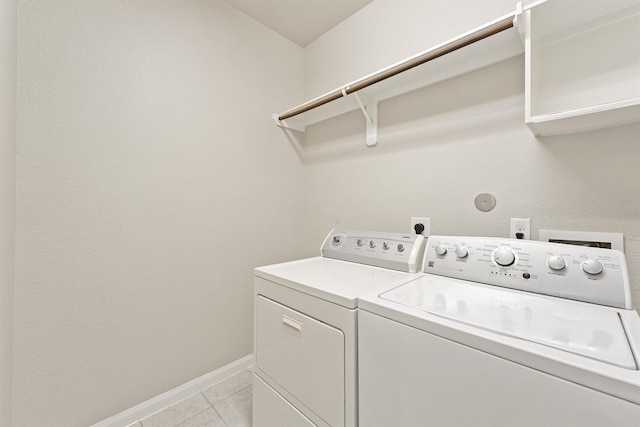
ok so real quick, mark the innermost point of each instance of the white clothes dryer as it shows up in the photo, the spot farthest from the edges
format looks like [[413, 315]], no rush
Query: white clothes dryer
[[305, 331], [502, 332]]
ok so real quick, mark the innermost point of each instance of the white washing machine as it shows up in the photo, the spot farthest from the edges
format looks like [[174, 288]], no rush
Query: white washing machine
[[502, 332], [305, 332]]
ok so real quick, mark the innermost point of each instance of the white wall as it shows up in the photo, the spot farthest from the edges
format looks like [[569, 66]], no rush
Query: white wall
[[441, 146], [7, 197], [151, 180], [387, 31]]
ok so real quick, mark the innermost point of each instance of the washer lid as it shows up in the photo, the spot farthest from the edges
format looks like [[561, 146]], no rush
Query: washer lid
[[586, 329]]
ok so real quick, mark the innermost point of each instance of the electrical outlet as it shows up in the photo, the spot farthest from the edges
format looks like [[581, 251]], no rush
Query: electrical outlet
[[426, 223], [520, 228]]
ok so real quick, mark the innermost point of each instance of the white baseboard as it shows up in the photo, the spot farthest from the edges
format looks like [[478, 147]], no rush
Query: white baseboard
[[179, 393]]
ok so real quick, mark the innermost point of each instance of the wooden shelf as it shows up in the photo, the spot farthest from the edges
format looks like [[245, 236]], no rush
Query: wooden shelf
[[587, 119], [493, 49], [582, 68], [582, 65]]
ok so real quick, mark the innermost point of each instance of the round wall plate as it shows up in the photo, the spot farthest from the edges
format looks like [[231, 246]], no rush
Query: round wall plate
[[485, 202]]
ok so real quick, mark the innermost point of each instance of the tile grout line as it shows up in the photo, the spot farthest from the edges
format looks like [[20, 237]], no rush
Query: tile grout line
[[227, 398], [214, 408], [211, 405], [221, 417], [183, 421], [195, 415]]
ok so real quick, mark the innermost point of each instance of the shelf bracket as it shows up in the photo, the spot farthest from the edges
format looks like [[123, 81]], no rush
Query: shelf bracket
[[369, 108], [291, 124], [519, 21]]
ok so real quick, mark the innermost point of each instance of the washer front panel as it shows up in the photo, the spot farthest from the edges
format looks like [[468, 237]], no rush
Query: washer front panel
[[605, 377], [586, 329], [408, 377]]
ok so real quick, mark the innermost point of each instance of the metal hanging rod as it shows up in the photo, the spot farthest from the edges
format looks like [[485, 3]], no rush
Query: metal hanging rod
[[410, 63]]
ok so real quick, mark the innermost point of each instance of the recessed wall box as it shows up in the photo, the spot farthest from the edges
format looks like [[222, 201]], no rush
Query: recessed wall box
[[584, 238]]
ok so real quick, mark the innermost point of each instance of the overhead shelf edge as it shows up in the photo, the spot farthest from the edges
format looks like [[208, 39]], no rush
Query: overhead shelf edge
[[480, 47]]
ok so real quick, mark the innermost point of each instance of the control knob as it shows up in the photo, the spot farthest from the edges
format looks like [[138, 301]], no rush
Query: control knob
[[592, 267], [372, 244], [556, 263], [441, 250], [360, 242], [385, 246], [337, 239], [400, 247], [462, 252], [504, 257]]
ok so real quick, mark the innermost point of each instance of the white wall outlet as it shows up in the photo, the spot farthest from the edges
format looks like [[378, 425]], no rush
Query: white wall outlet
[[520, 228], [426, 223]]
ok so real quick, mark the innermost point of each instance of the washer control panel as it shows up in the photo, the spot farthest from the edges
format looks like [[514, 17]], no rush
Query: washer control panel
[[396, 251], [580, 273]]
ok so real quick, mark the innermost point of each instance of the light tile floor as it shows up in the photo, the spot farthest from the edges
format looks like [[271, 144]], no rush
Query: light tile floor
[[225, 404]]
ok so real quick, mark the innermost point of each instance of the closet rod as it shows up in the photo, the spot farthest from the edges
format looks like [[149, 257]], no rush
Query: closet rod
[[482, 33]]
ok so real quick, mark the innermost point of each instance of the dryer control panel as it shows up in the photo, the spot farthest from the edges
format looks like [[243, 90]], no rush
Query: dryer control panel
[[580, 273], [396, 251]]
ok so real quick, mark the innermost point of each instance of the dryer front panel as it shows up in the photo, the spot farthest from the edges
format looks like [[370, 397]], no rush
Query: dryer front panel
[[304, 356]]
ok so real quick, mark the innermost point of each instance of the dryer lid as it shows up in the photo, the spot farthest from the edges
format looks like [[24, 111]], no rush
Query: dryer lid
[[336, 281], [585, 329]]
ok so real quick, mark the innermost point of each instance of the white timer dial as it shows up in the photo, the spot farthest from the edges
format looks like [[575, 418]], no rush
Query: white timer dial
[[504, 257], [556, 263], [462, 252], [441, 250], [592, 266]]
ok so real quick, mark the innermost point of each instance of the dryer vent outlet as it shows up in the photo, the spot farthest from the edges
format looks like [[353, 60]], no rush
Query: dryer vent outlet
[[420, 225]]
